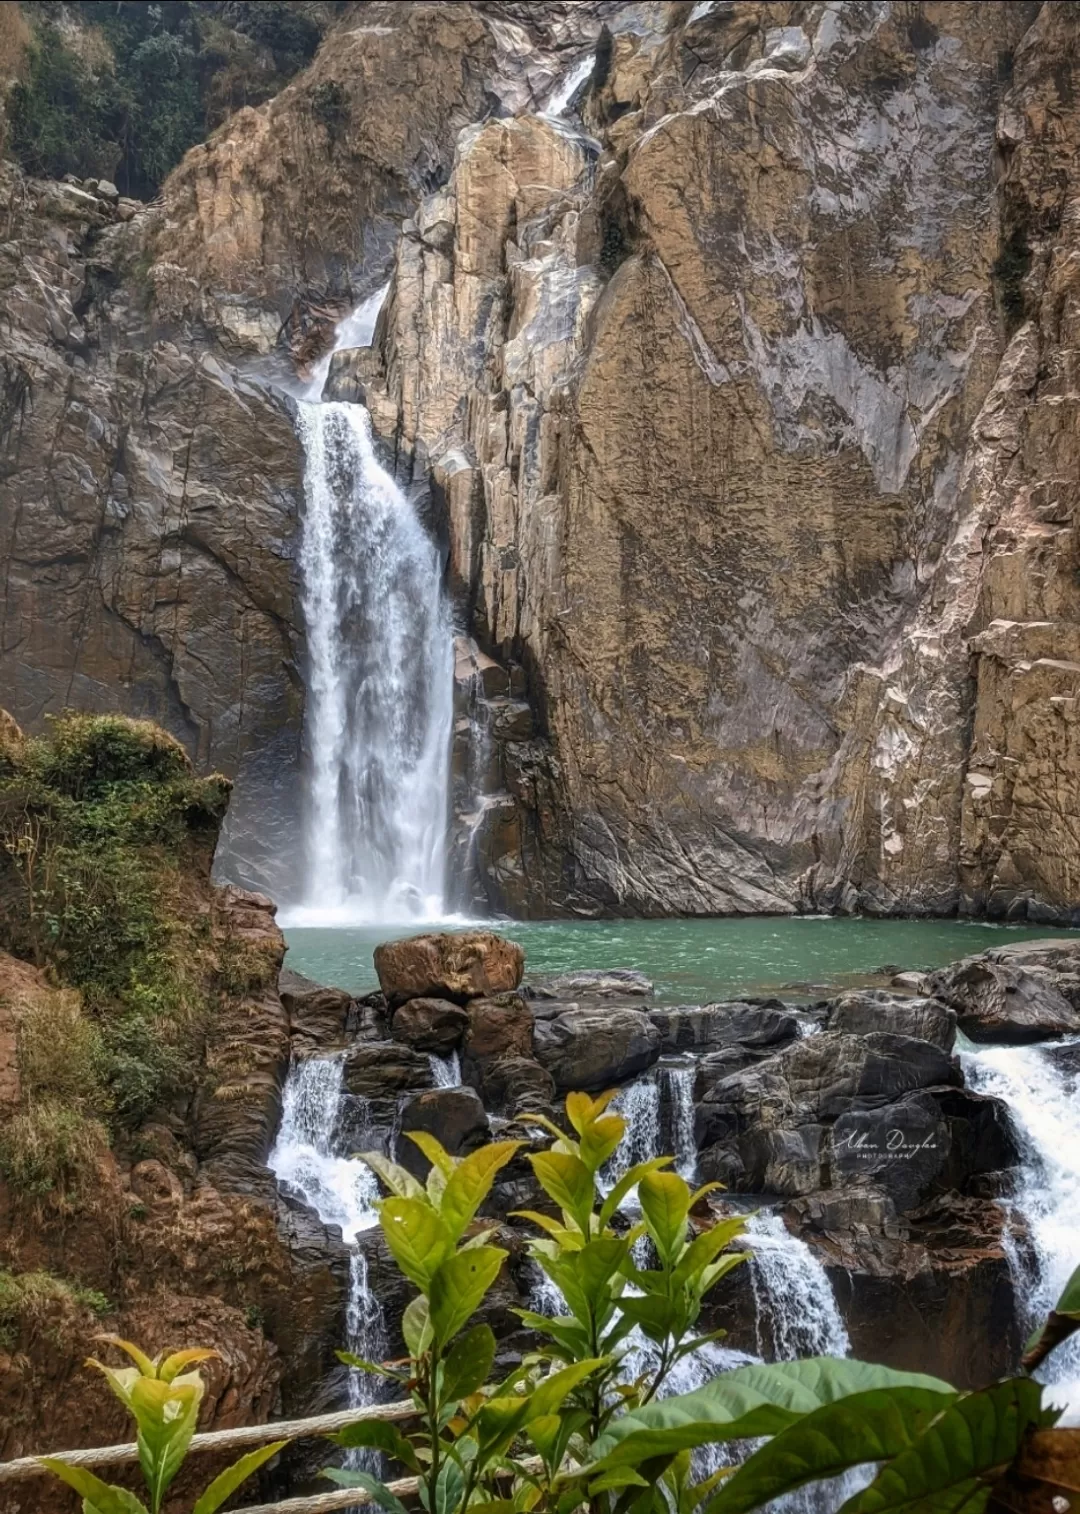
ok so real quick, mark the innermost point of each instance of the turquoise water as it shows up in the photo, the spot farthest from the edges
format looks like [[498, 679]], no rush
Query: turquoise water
[[693, 961]]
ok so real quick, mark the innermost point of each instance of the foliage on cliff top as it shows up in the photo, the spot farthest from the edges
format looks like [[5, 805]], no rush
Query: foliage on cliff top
[[122, 91], [30, 1297], [106, 839]]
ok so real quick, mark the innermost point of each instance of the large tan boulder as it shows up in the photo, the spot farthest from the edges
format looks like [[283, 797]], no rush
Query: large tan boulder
[[470, 966]]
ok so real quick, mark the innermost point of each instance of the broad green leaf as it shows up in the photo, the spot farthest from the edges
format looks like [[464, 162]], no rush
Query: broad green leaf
[[595, 1266], [377, 1435], [226, 1483], [952, 1464], [658, 1317], [865, 1427], [1062, 1321], [601, 1139], [628, 1181], [416, 1326], [433, 1149], [459, 1286], [470, 1183], [750, 1401], [392, 1176], [554, 1228], [665, 1202], [378, 1490], [102, 1495], [567, 1181], [449, 1486], [417, 1236], [618, 1477], [706, 1247], [582, 1109], [468, 1365], [173, 1365], [146, 1367], [165, 1414], [500, 1419], [711, 1275]]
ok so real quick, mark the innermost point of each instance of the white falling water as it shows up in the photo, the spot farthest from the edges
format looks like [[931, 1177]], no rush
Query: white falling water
[[341, 1192], [1041, 1089], [639, 1105], [380, 680], [678, 1079], [558, 101], [796, 1308], [446, 1071]]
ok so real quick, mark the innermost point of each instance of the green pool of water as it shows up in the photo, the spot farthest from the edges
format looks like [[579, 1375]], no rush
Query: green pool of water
[[693, 961]]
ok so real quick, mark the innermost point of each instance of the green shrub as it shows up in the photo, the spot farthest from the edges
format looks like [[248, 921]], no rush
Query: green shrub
[[30, 1296], [102, 824], [50, 1150]]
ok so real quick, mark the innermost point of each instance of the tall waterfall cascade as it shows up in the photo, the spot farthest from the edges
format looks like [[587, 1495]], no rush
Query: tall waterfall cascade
[[380, 673], [341, 1192], [1041, 1086]]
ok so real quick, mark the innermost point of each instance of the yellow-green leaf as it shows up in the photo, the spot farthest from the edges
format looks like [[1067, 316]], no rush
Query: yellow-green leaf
[[470, 1183], [227, 1482], [173, 1365], [665, 1202], [417, 1237], [104, 1497], [433, 1149], [391, 1175], [567, 1181], [459, 1286]]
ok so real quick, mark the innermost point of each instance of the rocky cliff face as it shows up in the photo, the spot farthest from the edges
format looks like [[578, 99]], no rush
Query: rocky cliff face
[[741, 389]]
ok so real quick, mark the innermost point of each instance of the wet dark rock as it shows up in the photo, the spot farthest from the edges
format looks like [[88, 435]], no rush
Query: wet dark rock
[[998, 1000], [443, 966], [702, 1027], [317, 1013], [611, 983], [497, 1028], [381, 1072], [432, 1025], [513, 1085], [866, 1010], [596, 1048], [455, 1116]]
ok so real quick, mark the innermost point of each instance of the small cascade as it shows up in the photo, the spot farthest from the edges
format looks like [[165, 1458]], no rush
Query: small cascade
[[446, 1071], [677, 1091], [341, 1192], [639, 1105], [796, 1309], [1040, 1085], [558, 102], [380, 672]]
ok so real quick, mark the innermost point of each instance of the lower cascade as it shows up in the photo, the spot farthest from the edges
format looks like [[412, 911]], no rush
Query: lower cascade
[[380, 681], [341, 1192], [1040, 1085]]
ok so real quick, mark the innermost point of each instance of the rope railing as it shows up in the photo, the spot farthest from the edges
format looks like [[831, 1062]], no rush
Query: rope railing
[[227, 1440]]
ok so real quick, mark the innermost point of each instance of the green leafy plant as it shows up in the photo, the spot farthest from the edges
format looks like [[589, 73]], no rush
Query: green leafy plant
[[572, 1428], [163, 1396], [473, 1437]]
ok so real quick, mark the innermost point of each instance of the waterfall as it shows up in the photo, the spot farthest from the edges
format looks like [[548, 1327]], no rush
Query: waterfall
[[639, 1105], [1040, 1085], [341, 1192], [446, 1071], [796, 1309], [380, 681], [556, 104], [678, 1098]]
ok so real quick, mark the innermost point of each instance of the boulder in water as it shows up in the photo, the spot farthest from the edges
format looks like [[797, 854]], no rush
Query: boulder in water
[[593, 1048], [444, 966], [315, 1012], [866, 1010], [706, 1026], [516, 1085], [454, 1116], [608, 983], [433, 1025], [997, 1000], [384, 1069], [498, 1027]]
